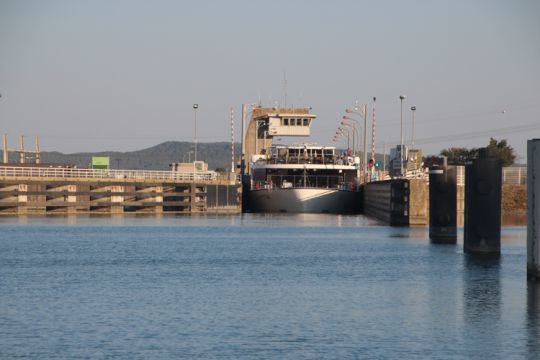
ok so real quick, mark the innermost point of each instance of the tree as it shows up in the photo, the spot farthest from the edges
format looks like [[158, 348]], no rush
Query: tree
[[431, 160], [495, 149], [458, 155], [501, 150]]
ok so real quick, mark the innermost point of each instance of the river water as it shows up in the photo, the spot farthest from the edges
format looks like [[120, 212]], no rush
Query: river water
[[257, 287]]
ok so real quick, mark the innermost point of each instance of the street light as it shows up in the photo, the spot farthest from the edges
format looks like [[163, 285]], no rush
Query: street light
[[345, 123], [354, 135], [363, 114], [341, 132], [401, 98], [338, 137], [355, 131], [195, 107], [413, 109]]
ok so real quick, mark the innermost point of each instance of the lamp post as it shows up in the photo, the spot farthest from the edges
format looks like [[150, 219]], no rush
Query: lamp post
[[346, 123], [195, 107], [355, 132], [413, 109], [338, 137], [401, 98], [340, 132], [363, 114]]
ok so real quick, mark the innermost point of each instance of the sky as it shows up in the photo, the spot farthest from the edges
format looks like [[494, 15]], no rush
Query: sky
[[124, 74]]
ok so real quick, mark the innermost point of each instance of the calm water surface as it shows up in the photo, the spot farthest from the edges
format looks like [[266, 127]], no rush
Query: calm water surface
[[257, 286]]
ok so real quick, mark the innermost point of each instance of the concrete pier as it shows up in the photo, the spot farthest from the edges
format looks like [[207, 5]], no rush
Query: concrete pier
[[442, 205], [388, 201], [397, 202], [483, 187], [71, 191], [533, 209]]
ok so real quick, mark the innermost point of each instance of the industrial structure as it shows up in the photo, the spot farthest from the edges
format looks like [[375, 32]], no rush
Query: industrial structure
[[25, 155], [47, 190]]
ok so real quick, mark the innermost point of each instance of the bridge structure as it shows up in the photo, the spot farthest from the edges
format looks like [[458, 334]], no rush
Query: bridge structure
[[50, 190]]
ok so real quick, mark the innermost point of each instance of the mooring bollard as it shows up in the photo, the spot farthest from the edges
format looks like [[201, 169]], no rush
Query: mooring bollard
[[533, 209], [442, 205], [482, 226]]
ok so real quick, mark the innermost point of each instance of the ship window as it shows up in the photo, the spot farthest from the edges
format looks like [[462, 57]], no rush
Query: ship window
[[286, 122], [292, 122], [299, 122], [306, 122]]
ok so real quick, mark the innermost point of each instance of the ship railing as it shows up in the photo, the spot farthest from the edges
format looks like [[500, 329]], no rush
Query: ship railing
[[301, 181], [310, 160], [64, 172]]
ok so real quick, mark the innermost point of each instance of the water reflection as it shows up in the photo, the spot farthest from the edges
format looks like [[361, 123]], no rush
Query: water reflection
[[409, 233], [347, 287], [533, 317], [481, 300], [514, 219], [300, 219]]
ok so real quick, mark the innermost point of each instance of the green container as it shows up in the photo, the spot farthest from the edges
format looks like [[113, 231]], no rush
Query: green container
[[100, 162]]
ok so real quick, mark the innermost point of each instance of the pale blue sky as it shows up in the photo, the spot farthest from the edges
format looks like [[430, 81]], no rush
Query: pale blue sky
[[123, 75]]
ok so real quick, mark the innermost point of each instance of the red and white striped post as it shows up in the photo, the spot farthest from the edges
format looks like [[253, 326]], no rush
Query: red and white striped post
[[373, 137], [232, 139]]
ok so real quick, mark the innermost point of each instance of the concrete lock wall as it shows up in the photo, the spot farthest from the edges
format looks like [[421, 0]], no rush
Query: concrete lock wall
[[419, 202], [377, 200], [533, 209], [223, 198], [398, 202], [43, 196]]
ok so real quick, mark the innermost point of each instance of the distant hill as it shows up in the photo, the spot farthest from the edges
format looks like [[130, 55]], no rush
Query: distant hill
[[218, 155], [158, 157]]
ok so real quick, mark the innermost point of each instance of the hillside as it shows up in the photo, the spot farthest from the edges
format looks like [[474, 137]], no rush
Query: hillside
[[218, 155], [158, 157]]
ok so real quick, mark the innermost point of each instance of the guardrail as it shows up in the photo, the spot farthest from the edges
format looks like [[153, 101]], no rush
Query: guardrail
[[511, 175], [515, 175], [51, 172], [301, 181]]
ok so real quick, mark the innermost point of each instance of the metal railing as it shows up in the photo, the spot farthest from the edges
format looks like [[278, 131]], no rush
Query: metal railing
[[324, 160], [515, 175], [300, 181], [51, 172], [512, 175]]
